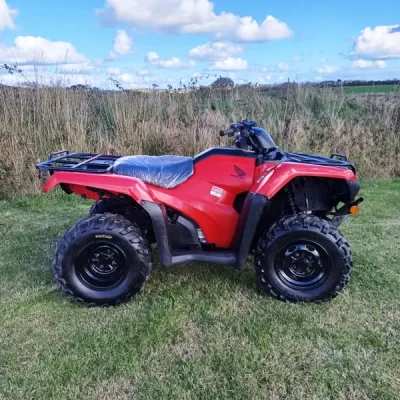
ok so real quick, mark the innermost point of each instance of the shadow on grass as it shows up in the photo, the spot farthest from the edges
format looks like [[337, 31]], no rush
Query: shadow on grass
[[29, 266]]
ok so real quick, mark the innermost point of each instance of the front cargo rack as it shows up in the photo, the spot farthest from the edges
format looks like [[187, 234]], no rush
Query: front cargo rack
[[335, 160], [77, 162]]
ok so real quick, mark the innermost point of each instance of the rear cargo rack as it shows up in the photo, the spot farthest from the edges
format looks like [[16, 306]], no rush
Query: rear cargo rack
[[77, 162]]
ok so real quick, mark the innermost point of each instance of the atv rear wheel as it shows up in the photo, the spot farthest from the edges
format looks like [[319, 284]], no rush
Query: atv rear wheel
[[303, 258], [108, 206], [102, 260], [133, 214]]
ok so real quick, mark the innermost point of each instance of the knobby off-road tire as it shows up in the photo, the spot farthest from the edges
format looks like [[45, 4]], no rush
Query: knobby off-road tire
[[108, 206], [134, 215], [103, 260], [303, 258]]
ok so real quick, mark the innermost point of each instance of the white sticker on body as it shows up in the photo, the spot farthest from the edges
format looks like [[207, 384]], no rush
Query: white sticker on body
[[216, 191]]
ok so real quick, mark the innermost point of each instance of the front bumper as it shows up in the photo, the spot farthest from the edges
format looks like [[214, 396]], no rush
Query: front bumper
[[345, 211]]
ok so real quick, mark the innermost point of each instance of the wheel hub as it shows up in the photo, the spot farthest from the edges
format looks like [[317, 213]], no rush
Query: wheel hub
[[302, 265], [101, 265], [105, 261], [302, 259]]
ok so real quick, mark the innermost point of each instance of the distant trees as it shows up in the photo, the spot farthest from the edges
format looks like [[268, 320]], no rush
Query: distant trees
[[359, 83], [86, 88], [222, 82]]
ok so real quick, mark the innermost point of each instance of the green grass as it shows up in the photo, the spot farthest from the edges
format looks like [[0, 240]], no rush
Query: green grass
[[198, 332], [372, 89]]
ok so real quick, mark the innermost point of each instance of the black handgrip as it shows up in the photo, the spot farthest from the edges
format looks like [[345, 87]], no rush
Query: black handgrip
[[229, 132]]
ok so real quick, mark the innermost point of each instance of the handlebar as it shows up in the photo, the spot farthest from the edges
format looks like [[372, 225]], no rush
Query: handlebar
[[249, 136], [229, 132]]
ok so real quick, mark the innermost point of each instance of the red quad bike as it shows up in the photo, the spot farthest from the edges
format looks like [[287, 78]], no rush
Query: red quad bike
[[217, 207]]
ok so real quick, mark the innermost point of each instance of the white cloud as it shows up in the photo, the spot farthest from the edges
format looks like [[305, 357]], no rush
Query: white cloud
[[50, 78], [113, 71], [7, 16], [279, 67], [281, 78], [248, 30], [30, 49], [79, 68], [283, 67], [134, 81], [168, 63], [378, 43], [191, 16], [175, 63], [363, 64], [8, 79], [122, 43], [29, 68], [127, 78], [130, 81], [213, 51], [229, 64], [206, 78], [143, 72], [297, 59], [263, 80], [319, 78], [328, 69], [152, 57]]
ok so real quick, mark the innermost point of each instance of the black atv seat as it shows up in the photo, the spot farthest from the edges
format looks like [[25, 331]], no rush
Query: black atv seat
[[162, 171]]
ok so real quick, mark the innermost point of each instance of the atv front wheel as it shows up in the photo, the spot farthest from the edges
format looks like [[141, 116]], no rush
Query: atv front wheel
[[303, 258], [102, 260]]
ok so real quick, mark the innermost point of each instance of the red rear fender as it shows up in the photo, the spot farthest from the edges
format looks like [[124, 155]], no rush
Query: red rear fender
[[79, 182], [274, 179]]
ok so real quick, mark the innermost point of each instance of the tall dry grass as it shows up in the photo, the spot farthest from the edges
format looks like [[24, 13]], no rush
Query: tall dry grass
[[35, 122]]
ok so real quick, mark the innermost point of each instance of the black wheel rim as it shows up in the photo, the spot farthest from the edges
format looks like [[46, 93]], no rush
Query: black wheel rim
[[303, 265], [101, 265]]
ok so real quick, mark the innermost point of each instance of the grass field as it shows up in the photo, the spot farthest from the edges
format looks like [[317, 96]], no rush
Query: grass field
[[371, 89], [36, 122], [198, 332]]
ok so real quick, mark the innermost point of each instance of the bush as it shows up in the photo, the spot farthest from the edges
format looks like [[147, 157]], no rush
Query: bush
[[222, 83]]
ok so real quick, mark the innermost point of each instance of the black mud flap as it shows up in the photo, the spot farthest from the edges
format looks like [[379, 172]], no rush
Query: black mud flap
[[254, 206]]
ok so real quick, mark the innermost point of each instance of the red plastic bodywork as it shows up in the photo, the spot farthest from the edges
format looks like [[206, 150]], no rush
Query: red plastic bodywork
[[78, 182], [273, 178], [196, 198]]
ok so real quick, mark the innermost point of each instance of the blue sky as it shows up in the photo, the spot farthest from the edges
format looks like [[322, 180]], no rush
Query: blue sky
[[140, 42]]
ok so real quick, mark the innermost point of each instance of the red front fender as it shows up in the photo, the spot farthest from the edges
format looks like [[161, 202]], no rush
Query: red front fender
[[274, 179], [117, 184]]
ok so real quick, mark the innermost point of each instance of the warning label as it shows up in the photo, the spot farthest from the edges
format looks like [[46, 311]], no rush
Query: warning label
[[216, 191]]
